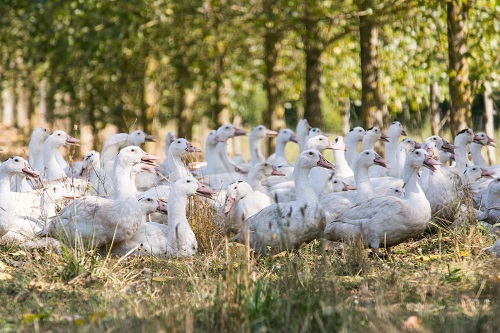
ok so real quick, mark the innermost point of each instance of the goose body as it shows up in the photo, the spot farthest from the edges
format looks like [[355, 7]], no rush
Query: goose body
[[290, 224], [52, 168], [389, 220]]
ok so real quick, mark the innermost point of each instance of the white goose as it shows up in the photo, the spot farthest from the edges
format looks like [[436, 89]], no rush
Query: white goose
[[462, 141], [290, 224], [256, 134], [116, 142], [174, 161], [241, 203], [336, 203], [52, 169], [38, 137], [284, 136], [150, 238], [169, 138], [372, 135], [258, 173], [99, 183], [302, 130], [352, 140], [13, 228], [97, 221], [391, 148], [481, 140], [388, 221]]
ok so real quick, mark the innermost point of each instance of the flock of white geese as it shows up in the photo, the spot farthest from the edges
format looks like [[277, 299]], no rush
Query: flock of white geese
[[109, 199]]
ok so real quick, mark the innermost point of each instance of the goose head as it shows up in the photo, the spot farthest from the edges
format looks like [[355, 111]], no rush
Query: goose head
[[171, 137], [373, 134], [483, 139], [339, 185], [286, 135], [303, 127], [339, 143], [396, 129], [319, 142], [91, 160], [181, 146], [314, 132], [151, 204], [397, 191], [266, 169], [355, 134], [409, 144], [139, 137], [419, 158], [18, 166], [211, 139], [464, 137], [235, 192], [189, 186], [311, 158], [261, 132], [474, 173], [228, 131], [368, 158], [39, 135], [133, 155], [60, 139]]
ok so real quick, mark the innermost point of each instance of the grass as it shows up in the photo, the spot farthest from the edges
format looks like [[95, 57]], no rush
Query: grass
[[438, 283]]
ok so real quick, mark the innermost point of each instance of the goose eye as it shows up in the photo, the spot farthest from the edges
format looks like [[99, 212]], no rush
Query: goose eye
[[16, 160], [310, 154], [236, 187], [132, 150], [59, 134], [140, 134], [335, 182], [149, 199], [336, 139], [367, 153], [321, 139], [227, 127], [178, 141], [188, 181]]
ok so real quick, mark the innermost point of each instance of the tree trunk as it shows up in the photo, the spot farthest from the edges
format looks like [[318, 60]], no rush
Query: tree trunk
[[373, 107], [274, 118], [434, 109], [186, 99], [9, 101], [458, 65], [346, 124], [22, 107], [490, 127], [312, 111], [222, 113]]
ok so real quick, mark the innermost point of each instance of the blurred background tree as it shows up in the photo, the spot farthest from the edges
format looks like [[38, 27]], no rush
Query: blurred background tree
[[194, 65]]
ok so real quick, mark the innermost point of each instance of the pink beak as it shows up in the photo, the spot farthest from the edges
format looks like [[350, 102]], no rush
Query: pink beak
[[271, 133], [324, 163], [239, 132], [293, 138], [277, 173], [229, 204], [71, 141]]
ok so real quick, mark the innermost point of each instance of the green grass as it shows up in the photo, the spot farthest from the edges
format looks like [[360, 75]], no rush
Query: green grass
[[444, 280]]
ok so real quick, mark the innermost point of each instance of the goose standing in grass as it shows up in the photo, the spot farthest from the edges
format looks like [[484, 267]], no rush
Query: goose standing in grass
[[97, 221], [352, 140], [52, 169], [288, 225], [391, 148], [390, 220], [242, 202]]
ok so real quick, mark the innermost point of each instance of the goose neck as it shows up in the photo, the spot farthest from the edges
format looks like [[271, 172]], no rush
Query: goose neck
[[410, 177], [304, 192]]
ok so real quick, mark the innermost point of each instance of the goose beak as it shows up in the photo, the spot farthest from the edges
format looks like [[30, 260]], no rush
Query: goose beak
[[276, 172], [149, 159], [418, 145], [384, 138], [477, 139], [448, 147], [487, 173], [431, 163], [337, 146], [204, 191], [162, 207], [30, 172], [326, 134], [348, 187], [152, 169], [228, 204], [324, 163], [452, 157], [293, 138], [150, 138], [71, 141], [491, 142], [192, 149], [239, 132], [380, 161], [403, 132], [271, 133]]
